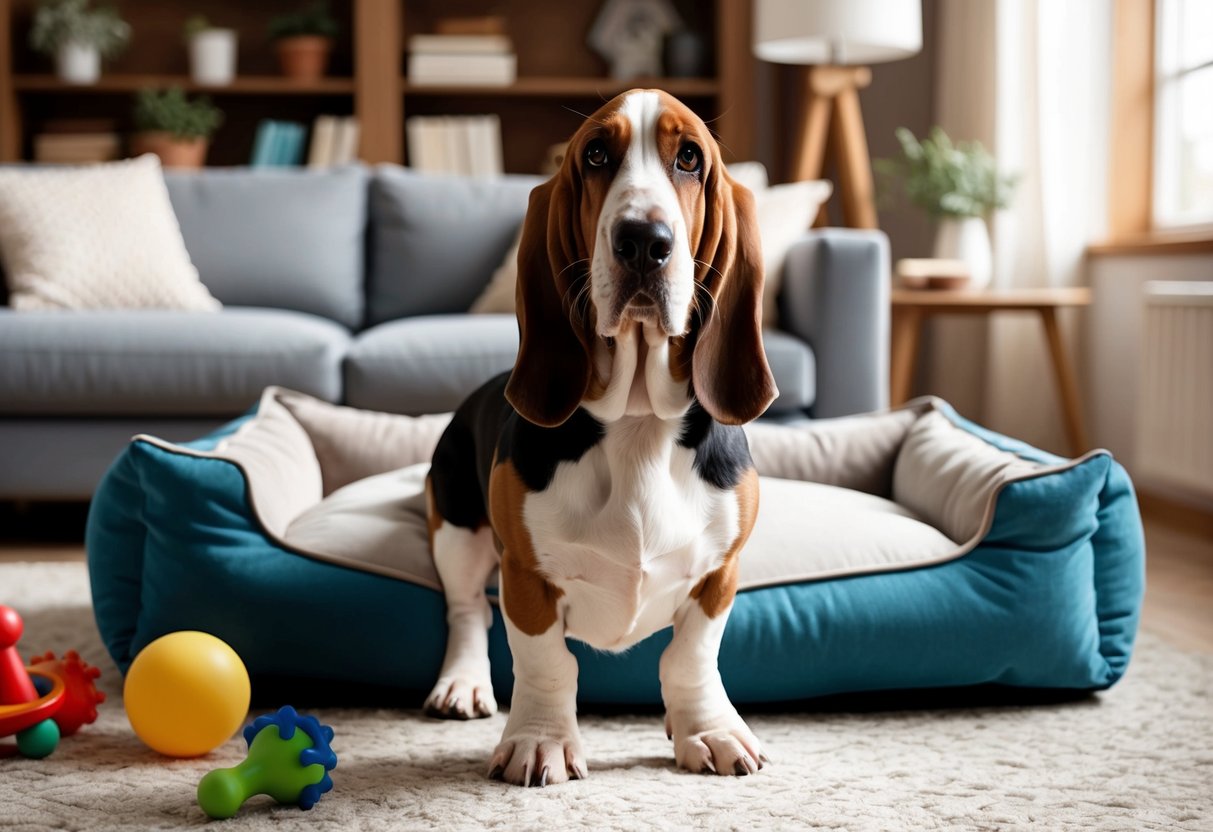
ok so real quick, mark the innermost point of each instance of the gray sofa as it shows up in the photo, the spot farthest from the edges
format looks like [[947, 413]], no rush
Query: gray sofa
[[351, 285]]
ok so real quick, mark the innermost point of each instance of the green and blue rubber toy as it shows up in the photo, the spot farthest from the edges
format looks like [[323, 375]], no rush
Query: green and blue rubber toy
[[289, 759]]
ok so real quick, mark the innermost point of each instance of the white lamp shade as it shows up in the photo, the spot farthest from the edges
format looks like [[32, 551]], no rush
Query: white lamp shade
[[836, 32]]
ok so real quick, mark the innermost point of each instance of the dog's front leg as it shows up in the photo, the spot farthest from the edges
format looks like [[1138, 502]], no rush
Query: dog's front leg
[[541, 744], [708, 733]]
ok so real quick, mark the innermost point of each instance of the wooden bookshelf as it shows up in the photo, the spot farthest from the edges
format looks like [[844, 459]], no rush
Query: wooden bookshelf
[[559, 75], [247, 85], [566, 87]]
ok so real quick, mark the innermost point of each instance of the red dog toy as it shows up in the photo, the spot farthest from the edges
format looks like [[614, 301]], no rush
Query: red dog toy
[[39, 721]]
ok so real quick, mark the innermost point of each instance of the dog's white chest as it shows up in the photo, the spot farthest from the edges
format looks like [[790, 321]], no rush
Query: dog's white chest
[[627, 531]]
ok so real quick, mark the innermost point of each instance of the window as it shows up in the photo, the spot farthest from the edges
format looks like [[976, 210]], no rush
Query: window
[[1183, 121]]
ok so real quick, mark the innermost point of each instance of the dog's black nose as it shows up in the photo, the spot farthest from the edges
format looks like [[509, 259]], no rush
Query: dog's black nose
[[642, 246]]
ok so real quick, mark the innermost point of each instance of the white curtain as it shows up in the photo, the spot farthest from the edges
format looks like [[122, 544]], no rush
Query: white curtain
[[1030, 79]]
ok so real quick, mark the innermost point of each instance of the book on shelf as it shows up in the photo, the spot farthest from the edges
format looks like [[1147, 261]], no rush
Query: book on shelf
[[76, 148], [77, 141], [467, 145], [461, 59], [334, 141], [460, 45], [348, 134], [278, 144]]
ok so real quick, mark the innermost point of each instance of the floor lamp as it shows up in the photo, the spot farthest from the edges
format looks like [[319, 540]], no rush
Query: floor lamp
[[837, 39]]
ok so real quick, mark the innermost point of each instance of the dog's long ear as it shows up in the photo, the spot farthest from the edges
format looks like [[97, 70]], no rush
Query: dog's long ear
[[552, 371], [729, 364]]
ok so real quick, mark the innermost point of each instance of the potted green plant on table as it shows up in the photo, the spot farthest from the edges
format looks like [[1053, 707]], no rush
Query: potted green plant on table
[[78, 37], [959, 184], [173, 127], [304, 40], [212, 52]]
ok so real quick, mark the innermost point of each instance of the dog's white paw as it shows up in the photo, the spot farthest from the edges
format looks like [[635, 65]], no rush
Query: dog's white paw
[[538, 749], [720, 746], [461, 697]]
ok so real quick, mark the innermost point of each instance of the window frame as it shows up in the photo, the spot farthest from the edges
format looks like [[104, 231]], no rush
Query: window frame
[[1131, 169], [1168, 74]]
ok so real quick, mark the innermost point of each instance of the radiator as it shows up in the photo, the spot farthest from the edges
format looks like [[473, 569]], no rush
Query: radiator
[[1175, 394]]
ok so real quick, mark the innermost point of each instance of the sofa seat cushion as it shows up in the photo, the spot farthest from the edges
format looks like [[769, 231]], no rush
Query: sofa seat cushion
[[428, 364], [794, 368], [161, 363]]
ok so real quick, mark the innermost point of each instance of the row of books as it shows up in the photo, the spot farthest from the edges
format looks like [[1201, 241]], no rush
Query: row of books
[[334, 141], [468, 145], [461, 59]]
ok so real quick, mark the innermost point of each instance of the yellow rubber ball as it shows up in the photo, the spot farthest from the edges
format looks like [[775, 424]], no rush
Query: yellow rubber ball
[[186, 693]]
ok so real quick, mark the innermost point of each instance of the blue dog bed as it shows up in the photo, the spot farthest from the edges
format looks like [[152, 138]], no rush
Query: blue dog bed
[[906, 549]]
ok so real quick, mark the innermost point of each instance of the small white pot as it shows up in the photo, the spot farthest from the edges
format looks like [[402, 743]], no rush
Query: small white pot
[[78, 63], [213, 57], [967, 239]]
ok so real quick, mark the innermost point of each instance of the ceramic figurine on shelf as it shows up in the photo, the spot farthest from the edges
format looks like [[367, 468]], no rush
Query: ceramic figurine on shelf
[[630, 35]]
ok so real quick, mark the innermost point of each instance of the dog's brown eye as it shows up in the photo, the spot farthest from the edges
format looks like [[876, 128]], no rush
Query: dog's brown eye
[[689, 159], [596, 153]]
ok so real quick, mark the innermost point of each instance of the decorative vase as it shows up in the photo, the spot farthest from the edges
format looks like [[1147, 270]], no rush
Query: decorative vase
[[213, 57], [304, 57], [967, 239], [174, 152], [78, 63]]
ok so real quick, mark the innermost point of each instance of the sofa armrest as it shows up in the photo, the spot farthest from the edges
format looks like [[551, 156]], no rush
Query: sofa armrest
[[836, 297]]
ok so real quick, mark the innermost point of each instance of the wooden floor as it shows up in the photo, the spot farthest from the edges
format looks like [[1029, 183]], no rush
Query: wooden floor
[[1179, 568]]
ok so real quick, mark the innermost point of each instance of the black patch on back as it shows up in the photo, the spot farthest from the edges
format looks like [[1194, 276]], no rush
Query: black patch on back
[[722, 453]]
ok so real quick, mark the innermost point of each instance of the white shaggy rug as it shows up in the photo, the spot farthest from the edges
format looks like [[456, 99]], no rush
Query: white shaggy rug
[[1137, 757]]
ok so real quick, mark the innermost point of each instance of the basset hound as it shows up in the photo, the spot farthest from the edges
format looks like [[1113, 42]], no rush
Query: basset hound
[[608, 473]]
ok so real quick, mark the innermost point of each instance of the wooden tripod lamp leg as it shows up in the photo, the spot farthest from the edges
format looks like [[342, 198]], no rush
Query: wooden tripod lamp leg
[[811, 141], [831, 110], [854, 166]]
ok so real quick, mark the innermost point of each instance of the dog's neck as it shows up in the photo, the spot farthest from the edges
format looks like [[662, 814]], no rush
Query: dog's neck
[[639, 380]]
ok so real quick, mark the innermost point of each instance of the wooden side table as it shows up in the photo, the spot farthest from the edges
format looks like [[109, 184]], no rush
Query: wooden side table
[[911, 307]]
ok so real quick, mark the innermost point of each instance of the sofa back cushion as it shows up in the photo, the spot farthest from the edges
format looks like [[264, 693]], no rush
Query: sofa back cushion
[[435, 240], [284, 238]]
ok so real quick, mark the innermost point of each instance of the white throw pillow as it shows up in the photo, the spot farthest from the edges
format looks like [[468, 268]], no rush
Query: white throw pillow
[[785, 213], [95, 237]]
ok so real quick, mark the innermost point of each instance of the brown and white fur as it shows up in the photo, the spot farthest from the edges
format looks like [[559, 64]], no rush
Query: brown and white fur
[[607, 473]]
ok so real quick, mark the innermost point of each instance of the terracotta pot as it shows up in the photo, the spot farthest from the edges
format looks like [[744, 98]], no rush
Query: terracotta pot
[[173, 152], [304, 57]]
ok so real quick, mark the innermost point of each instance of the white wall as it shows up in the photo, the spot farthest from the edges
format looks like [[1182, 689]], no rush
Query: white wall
[[1113, 336]]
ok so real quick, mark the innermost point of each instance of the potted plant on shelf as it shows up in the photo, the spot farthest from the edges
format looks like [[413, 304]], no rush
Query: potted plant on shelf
[[212, 52], [960, 185], [78, 37], [304, 39], [173, 127]]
